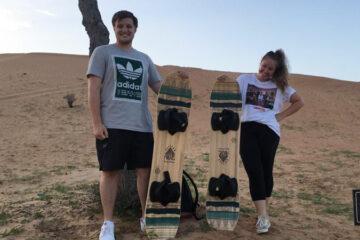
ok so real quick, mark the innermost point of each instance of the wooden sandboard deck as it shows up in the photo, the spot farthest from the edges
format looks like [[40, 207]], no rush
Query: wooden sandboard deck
[[162, 221], [224, 155]]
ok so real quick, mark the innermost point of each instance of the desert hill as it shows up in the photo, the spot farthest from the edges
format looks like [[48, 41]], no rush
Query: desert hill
[[49, 166]]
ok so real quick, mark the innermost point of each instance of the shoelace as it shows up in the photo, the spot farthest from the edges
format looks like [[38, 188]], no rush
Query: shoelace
[[104, 229], [260, 222]]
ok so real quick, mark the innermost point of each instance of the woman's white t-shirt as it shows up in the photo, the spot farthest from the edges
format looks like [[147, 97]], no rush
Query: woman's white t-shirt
[[261, 101]]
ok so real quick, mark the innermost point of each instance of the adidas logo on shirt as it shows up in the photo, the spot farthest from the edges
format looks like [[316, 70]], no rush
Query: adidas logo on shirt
[[129, 72]]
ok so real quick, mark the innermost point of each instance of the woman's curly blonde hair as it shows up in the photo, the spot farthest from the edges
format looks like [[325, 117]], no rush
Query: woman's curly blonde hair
[[281, 74]]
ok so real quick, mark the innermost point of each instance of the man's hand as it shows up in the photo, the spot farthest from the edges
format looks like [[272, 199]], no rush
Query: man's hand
[[100, 132]]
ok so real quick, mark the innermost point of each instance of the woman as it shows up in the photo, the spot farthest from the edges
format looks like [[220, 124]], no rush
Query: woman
[[260, 128]]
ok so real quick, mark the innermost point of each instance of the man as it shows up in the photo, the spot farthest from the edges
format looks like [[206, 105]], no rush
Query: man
[[118, 77]]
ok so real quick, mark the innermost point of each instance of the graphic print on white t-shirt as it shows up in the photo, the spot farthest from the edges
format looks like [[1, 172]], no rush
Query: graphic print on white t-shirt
[[129, 75], [261, 97]]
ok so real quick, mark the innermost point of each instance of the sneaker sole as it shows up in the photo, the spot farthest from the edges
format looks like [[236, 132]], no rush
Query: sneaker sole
[[265, 230], [262, 231]]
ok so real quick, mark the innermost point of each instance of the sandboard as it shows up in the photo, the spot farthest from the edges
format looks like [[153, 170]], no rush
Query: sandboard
[[224, 155], [162, 221]]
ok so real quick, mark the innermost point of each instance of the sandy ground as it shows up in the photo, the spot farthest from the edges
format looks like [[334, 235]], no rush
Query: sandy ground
[[48, 174]]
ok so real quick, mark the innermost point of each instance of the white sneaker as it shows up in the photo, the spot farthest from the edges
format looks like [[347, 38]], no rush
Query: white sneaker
[[262, 225], [142, 224], [107, 231]]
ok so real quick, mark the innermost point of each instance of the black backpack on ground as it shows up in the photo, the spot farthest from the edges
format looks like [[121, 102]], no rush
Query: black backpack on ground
[[188, 203]]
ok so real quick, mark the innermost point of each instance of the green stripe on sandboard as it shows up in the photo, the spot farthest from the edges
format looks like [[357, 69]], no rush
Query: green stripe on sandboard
[[222, 215], [179, 92], [162, 221], [163, 210], [174, 103], [222, 204], [225, 96], [225, 105]]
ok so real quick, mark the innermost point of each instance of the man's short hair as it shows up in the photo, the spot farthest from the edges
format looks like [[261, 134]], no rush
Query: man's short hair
[[124, 14]]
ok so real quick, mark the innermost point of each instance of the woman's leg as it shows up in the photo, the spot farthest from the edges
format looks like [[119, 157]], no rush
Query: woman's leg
[[260, 206], [268, 142], [251, 157]]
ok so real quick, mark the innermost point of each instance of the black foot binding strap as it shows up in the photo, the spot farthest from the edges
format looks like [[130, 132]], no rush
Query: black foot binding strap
[[172, 120], [223, 187], [165, 191], [225, 121]]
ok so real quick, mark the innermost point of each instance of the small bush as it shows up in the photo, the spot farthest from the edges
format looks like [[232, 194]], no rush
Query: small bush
[[70, 99]]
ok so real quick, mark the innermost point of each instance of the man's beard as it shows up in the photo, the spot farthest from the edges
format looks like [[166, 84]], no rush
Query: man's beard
[[126, 42]]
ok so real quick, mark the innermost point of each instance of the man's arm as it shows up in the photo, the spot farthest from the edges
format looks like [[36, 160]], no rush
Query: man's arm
[[94, 86], [156, 87]]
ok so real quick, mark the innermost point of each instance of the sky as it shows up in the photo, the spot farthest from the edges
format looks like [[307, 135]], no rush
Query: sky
[[319, 37]]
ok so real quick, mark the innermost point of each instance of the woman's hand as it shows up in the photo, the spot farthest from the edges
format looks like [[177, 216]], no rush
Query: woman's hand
[[296, 103]]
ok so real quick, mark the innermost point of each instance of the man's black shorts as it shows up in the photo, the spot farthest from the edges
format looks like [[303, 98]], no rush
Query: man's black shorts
[[124, 146]]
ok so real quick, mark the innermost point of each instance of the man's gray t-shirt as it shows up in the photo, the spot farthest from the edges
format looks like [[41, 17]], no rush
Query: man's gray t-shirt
[[125, 76]]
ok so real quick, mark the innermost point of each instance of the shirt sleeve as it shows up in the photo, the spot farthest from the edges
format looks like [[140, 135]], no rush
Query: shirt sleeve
[[154, 76], [97, 63], [241, 81], [288, 92]]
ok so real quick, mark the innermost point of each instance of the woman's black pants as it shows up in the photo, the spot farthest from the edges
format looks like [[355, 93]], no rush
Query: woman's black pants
[[258, 144]]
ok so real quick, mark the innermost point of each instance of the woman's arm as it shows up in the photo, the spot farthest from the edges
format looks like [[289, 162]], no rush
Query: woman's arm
[[296, 103]]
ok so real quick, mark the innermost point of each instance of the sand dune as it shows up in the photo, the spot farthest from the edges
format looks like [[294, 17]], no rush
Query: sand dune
[[49, 167]]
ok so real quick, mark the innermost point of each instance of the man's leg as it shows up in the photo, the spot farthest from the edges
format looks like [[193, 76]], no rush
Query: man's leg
[[143, 176], [108, 190]]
